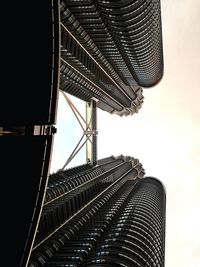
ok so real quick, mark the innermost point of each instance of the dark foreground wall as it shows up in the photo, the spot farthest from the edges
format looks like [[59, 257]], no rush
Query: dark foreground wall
[[28, 99]]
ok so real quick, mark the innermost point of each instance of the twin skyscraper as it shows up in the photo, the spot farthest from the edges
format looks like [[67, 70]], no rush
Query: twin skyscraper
[[105, 212]]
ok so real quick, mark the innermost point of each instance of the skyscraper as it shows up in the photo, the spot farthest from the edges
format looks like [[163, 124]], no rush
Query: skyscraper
[[102, 216], [105, 53], [110, 50]]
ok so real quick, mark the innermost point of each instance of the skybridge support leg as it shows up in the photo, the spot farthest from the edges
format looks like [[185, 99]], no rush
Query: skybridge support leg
[[91, 131]]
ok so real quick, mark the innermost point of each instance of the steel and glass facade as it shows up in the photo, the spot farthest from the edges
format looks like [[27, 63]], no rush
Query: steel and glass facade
[[102, 216], [110, 50], [105, 53]]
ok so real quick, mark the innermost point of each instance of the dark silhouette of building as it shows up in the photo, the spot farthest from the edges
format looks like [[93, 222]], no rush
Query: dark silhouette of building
[[27, 119]]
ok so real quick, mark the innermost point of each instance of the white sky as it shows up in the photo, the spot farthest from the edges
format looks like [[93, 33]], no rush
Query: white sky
[[164, 135], [68, 134]]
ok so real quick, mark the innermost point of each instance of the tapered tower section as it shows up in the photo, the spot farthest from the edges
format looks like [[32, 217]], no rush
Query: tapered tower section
[[110, 50], [107, 215]]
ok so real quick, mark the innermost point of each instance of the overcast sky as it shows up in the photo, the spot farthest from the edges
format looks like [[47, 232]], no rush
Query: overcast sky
[[164, 135]]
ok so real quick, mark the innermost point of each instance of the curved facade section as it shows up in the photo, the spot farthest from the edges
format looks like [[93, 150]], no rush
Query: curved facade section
[[136, 28], [111, 49], [119, 221], [137, 236], [74, 201], [124, 226]]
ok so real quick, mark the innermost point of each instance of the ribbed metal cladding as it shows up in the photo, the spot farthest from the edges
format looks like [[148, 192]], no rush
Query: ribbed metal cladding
[[87, 195], [109, 50], [137, 236], [135, 27], [124, 227]]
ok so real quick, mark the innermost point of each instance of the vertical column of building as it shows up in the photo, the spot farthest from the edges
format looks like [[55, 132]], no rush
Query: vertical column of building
[[91, 132], [135, 27], [124, 226], [27, 118], [95, 132], [137, 236]]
